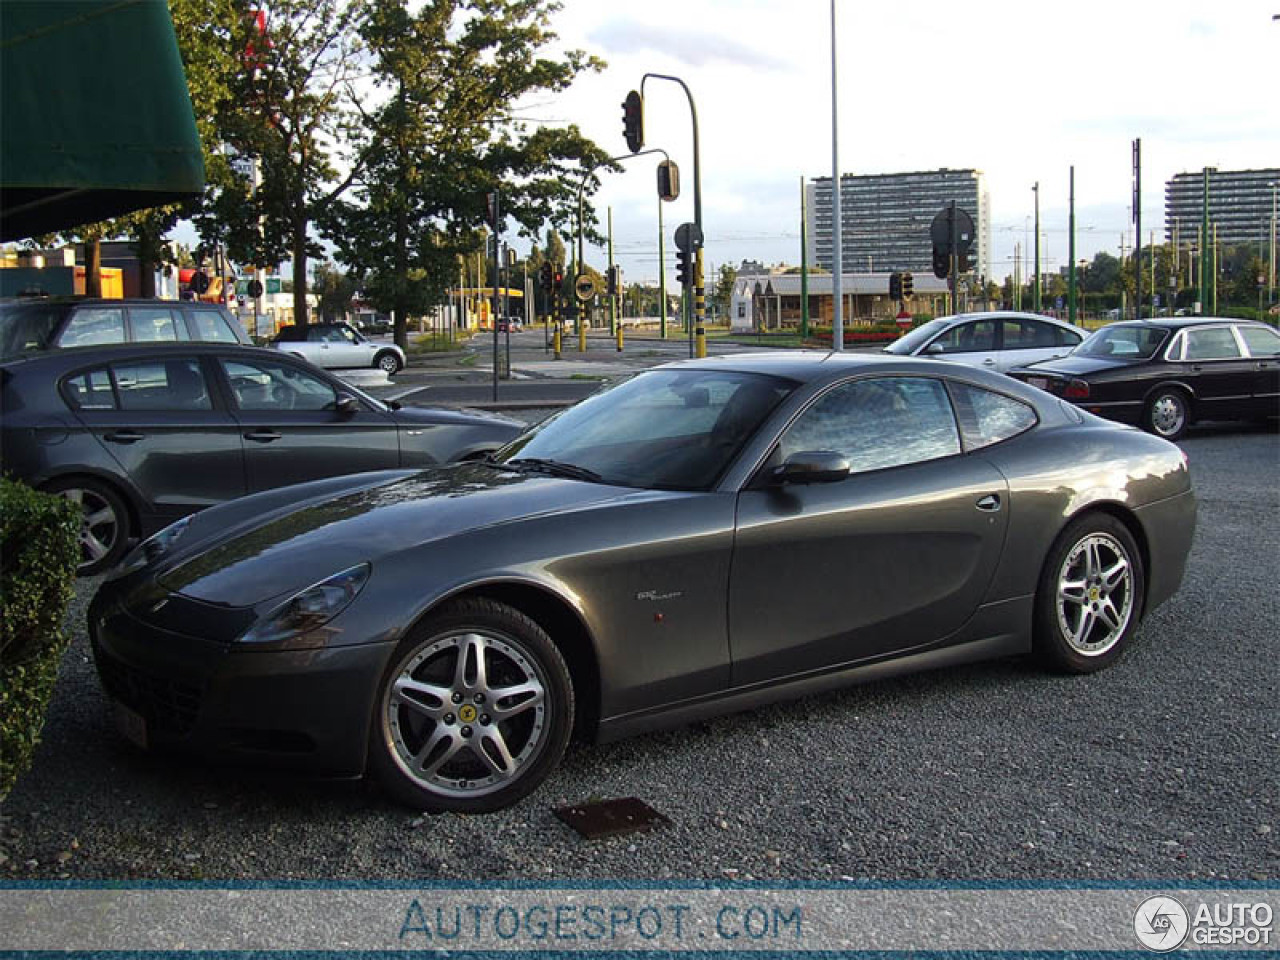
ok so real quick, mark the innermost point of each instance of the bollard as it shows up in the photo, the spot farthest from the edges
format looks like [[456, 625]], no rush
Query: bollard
[[582, 338], [555, 340], [619, 336]]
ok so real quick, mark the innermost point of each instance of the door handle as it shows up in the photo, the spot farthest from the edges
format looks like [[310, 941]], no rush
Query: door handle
[[124, 436], [989, 362], [990, 503], [262, 436]]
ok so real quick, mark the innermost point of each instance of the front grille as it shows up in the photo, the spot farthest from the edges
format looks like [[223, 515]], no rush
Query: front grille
[[168, 706]]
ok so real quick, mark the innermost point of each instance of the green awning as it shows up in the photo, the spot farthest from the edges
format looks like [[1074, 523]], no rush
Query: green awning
[[95, 117]]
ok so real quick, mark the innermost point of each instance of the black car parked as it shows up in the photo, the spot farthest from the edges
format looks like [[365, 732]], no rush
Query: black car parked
[[34, 324], [1164, 374], [143, 435]]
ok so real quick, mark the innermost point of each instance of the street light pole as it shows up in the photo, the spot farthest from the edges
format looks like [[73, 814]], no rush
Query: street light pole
[[837, 231], [1071, 252], [1271, 262], [1035, 295], [699, 287]]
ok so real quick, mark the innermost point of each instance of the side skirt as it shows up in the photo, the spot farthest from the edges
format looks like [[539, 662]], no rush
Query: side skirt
[[959, 649]]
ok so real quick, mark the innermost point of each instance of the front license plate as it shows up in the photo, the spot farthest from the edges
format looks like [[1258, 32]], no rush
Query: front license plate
[[130, 723], [1041, 382]]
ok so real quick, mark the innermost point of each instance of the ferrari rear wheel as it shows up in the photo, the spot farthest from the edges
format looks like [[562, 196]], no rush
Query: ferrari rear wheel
[[1089, 601], [474, 711]]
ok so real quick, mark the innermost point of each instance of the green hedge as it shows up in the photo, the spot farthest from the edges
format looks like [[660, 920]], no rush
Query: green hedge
[[39, 551]]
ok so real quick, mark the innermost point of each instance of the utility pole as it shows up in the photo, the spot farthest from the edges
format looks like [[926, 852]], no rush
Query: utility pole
[[613, 297], [662, 275], [1204, 246], [837, 231], [1137, 229], [1271, 285], [1035, 296], [1071, 248], [804, 263]]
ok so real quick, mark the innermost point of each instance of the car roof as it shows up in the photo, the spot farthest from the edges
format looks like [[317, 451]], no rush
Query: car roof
[[78, 356], [807, 366], [1006, 315], [61, 300], [1181, 323]]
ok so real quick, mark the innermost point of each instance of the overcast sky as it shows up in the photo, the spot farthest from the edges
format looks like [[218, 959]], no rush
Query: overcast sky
[[1020, 91]]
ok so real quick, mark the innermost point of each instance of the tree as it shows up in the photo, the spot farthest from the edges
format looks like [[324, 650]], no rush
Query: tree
[[446, 135], [335, 290], [724, 288], [1103, 275], [290, 108]]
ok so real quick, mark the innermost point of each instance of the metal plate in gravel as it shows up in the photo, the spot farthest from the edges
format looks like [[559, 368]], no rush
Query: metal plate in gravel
[[611, 818]]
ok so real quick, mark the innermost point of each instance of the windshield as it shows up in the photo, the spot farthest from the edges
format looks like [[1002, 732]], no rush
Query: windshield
[[661, 430], [909, 343], [1123, 342], [27, 327]]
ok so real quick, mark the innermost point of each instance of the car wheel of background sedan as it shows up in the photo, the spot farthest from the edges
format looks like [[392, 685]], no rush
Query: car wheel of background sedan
[[387, 362], [104, 530], [1167, 414], [474, 711], [1089, 601]]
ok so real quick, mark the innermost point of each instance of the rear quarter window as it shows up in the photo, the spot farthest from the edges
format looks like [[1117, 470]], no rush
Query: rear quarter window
[[212, 325], [90, 390], [988, 418]]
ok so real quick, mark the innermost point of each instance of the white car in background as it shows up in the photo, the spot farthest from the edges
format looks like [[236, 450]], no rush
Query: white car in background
[[336, 346], [998, 340]]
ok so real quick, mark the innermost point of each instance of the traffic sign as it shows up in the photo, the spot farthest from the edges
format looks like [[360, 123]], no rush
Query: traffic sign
[[688, 237], [200, 281], [940, 230], [584, 287], [255, 288]]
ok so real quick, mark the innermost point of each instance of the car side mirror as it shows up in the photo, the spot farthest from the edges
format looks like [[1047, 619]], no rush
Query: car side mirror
[[933, 348], [812, 466], [346, 405]]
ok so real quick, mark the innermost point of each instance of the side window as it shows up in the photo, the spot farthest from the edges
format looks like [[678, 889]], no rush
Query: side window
[[316, 335], [263, 385], [987, 418], [172, 384], [212, 325], [155, 323], [878, 423], [1261, 341], [1212, 343], [975, 337], [94, 325], [90, 390], [1067, 338]]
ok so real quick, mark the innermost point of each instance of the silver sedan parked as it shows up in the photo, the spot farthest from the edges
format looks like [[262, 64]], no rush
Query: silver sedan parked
[[997, 341]]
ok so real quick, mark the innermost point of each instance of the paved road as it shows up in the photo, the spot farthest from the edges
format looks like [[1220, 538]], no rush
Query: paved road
[[1161, 768]]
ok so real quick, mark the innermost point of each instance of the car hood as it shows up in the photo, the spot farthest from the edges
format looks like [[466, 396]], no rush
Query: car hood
[[291, 549], [1075, 366], [411, 416]]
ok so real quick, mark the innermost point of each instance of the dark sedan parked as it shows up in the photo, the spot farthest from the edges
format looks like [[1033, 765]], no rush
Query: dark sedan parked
[[142, 435], [705, 537], [1164, 374]]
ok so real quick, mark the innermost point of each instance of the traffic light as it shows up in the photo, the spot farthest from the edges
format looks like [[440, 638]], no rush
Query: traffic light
[[558, 279], [962, 259], [546, 277], [668, 181], [908, 285], [633, 121], [941, 263], [611, 280], [684, 267], [895, 286]]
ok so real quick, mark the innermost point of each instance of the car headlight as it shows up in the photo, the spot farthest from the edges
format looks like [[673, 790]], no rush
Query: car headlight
[[153, 548], [310, 608]]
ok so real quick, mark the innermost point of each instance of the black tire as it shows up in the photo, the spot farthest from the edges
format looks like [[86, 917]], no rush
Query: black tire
[[1167, 413], [1089, 599], [448, 750], [104, 534], [387, 362]]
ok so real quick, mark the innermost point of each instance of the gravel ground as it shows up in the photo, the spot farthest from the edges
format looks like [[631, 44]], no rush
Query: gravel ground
[[1164, 767]]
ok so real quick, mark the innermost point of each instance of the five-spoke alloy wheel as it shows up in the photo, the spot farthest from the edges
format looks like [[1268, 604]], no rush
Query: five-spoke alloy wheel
[[387, 362], [474, 711], [1090, 597], [104, 529]]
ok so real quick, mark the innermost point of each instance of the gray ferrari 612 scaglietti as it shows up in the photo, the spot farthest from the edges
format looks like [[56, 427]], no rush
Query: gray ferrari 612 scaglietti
[[705, 537]]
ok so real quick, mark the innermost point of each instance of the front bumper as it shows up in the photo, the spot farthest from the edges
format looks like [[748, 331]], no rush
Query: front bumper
[[294, 709]]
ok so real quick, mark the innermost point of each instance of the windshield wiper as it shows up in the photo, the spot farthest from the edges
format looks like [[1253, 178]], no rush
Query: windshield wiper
[[555, 468]]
